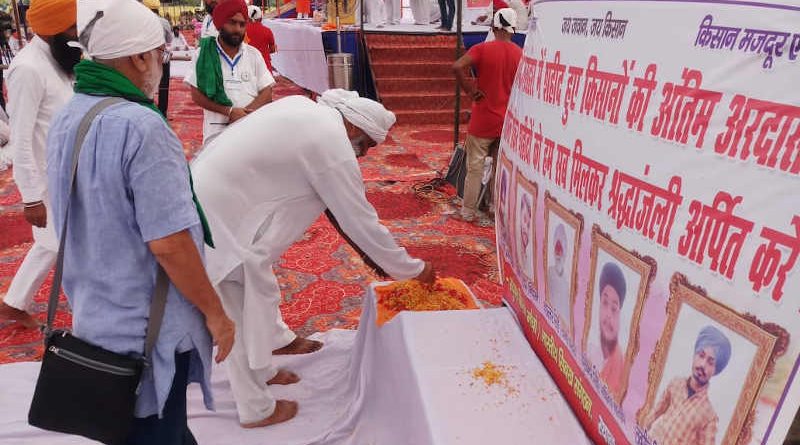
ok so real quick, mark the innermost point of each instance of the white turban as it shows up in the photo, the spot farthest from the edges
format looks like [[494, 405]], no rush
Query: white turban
[[506, 19], [364, 113], [110, 29]]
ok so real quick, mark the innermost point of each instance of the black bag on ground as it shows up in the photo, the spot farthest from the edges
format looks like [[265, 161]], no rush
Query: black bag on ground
[[457, 170], [84, 389]]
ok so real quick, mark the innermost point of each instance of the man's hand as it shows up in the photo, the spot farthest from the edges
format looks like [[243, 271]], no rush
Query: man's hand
[[222, 332], [236, 114], [428, 275], [36, 214]]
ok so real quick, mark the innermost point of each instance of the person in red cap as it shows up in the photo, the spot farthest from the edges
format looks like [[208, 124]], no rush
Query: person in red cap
[[230, 78]]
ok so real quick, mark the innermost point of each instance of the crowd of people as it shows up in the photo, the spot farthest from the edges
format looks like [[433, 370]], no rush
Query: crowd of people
[[215, 227]]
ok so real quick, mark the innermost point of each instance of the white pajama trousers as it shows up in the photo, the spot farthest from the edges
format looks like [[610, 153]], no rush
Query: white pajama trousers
[[35, 267], [249, 364]]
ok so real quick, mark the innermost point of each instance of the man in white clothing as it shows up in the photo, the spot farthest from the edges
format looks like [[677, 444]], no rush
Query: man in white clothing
[[421, 10], [392, 11], [230, 78], [261, 188], [208, 29], [39, 84]]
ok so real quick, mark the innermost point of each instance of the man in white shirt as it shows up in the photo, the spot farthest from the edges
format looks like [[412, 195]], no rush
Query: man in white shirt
[[261, 188], [230, 78], [39, 84], [208, 29]]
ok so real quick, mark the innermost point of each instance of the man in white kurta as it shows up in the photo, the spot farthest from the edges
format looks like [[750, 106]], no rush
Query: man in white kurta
[[421, 10], [208, 29], [245, 77], [39, 84], [262, 187]]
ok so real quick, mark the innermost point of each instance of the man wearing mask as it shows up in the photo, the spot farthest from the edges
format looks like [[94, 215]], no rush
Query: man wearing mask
[[263, 187], [132, 210], [230, 78], [39, 84]]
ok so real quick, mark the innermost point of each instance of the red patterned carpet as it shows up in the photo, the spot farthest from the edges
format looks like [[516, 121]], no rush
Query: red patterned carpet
[[322, 279]]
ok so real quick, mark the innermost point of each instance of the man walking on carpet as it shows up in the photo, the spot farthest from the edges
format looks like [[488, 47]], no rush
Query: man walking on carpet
[[39, 84], [132, 210], [230, 78], [262, 187], [496, 65]]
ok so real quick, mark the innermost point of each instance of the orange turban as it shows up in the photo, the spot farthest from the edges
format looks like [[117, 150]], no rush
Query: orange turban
[[51, 17]]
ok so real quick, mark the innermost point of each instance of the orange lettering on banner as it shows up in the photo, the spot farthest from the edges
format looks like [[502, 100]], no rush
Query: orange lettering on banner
[[773, 134], [709, 232], [562, 166], [547, 161], [677, 119], [538, 140], [640, 98], [603, 92], [769, 262], [588, 178], [643, 207]]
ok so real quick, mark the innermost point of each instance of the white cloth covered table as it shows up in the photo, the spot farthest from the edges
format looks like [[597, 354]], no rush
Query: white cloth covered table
[[406, 383], [300, 56]]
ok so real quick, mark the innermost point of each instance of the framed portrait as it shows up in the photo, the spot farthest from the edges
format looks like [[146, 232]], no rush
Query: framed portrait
[[562, 237], [710, 363], [619, 282], [525, 225], [504, 210]]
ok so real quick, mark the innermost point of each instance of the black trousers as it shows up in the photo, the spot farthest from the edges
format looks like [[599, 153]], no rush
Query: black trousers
[[172, 428], [163, 91]]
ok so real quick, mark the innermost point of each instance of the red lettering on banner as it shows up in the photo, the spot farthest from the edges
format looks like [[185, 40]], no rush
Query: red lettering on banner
[[642, 206], [588, 178], [562, 165], [553, 79], [573, 84], [527, 75], [769, 259], [547, 161], [765, 139], [640, 98], [603, 92], [538, 140], [708, 232], [539, 73], [677, 119]]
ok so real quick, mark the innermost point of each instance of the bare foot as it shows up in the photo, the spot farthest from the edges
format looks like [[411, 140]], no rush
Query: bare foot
[[300, 345], [284, 410], [13, 314], [284, 377]]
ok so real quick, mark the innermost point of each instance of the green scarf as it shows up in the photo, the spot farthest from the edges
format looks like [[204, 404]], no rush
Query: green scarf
[[96, 79], [209, 72]]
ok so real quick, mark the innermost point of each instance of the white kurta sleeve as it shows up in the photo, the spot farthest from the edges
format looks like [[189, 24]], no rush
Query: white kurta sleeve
[[27, 91], [342, 190]]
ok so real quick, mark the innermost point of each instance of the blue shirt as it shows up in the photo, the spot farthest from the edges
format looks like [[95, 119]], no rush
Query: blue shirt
[[132, 187]]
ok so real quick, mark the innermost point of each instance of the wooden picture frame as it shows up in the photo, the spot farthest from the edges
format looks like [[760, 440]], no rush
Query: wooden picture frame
[[683, 294], [533, 190], [645, 267], [504, 208], [575, 220]]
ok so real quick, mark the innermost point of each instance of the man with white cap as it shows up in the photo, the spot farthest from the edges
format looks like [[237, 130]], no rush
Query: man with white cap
[[496, 65], [132, 209], [262, 188], [39, 84]]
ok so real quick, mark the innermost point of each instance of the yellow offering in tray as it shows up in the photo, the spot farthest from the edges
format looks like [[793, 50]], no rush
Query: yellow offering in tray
[[446, 294]]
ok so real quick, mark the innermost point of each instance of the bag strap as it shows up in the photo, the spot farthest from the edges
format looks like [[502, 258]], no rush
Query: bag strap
[[159, 300]]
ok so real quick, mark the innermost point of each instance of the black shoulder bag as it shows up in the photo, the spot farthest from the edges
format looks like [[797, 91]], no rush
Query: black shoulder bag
[[84, 389]]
